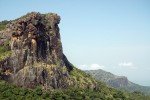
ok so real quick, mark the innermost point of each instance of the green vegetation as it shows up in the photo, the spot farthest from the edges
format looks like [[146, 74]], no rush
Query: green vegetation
[[101, 92], [5, 49], [4, 55], [3, 24], [4, 52], [11, 92], [81, 79]]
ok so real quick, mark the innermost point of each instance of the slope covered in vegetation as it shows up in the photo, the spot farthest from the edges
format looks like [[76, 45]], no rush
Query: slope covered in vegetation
[[102, 92]]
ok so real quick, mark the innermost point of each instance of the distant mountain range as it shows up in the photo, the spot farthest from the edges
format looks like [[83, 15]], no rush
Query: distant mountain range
[[118, 82]]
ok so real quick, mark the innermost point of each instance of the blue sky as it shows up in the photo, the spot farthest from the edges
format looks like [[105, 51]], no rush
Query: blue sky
[[110, 34]]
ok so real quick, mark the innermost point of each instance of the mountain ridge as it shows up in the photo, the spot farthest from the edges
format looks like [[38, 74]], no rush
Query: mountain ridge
[[118, 82]]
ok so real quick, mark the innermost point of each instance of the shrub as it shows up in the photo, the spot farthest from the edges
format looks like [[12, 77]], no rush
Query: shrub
[[3, 24]]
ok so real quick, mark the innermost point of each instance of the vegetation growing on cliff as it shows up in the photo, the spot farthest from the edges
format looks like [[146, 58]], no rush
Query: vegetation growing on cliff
[[3, 24], [4, 49], [12, 92], [4, 52]]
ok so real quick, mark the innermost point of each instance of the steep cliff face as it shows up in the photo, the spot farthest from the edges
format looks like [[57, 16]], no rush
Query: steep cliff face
[[36, 57], [118, 82]]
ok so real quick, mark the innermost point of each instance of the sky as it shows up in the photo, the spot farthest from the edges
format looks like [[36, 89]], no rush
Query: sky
[[113, 35]]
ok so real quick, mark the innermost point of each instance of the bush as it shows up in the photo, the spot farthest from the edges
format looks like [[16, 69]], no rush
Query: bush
[[3, 24], [119, 94]]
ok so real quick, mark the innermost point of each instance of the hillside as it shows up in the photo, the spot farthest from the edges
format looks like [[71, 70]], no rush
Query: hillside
[[102, 92], [34, 67], [118, 82]]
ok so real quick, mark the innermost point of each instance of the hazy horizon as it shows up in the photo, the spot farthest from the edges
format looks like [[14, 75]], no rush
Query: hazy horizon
[[97, 34]]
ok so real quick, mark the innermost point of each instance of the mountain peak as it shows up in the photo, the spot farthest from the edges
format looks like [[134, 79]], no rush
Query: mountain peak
[[36, 56]]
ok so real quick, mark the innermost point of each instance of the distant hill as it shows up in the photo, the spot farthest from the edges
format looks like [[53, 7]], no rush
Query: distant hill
[[118, 82]]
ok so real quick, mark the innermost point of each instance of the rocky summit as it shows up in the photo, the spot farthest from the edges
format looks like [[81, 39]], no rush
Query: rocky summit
[[35, 56]]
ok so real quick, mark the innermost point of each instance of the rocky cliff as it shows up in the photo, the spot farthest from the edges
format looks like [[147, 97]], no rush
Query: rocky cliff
[[35, 56]]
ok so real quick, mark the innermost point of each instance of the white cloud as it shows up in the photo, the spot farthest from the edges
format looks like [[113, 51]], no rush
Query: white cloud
[[83, 67], [128, 65], [91, 67]]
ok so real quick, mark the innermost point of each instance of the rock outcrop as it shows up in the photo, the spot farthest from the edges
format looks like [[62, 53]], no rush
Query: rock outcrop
[[118, 82], [37, 57]]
